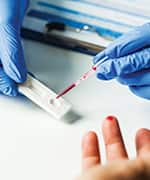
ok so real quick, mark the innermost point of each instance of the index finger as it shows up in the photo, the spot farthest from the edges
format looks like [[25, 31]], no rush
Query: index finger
[[115, 148]]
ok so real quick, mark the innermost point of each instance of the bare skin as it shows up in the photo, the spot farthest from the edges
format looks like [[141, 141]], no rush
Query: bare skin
[[119, 167]]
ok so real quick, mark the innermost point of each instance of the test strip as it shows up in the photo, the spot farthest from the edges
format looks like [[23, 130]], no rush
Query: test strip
[[44, 97]]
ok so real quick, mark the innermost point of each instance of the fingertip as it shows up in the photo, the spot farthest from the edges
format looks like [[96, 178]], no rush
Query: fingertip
[[141, 132], [142, 137], [8, 87], [22, 78], [110, 128], [107, 70], [101, 76], [98, 57], [143, 143], [89, 138], [18, 77], [9, 91], [90, 145], [111, 118], [109, 121]]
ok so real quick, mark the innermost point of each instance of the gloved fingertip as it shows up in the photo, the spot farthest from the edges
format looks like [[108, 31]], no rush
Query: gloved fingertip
[[7, 85], [17, 77], [22, 78], [98, 57], [102, 77], [9, 91], [16, 72], [121, 81], [95, 60], [105, 73]]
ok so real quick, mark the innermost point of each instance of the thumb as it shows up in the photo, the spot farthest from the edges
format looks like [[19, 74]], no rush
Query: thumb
[[117, 67], [11, 53]]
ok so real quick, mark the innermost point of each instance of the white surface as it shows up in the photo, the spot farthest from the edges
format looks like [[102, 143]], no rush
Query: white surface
[[33, 146]]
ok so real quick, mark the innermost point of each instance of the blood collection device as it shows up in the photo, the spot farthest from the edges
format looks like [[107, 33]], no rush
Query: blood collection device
[[44, 97], [82, 78]]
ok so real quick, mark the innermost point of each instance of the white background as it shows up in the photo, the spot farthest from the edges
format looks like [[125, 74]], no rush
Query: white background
[[34, 146]]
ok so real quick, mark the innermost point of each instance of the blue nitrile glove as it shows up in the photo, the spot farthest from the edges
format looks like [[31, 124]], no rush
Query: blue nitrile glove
[[128, 60], [12, 64]]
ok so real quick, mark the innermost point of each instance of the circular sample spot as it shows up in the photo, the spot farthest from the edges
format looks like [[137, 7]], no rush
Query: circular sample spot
[[54, 102]]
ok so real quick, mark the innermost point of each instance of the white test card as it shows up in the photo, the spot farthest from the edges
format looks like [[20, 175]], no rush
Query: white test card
[[44, 97]]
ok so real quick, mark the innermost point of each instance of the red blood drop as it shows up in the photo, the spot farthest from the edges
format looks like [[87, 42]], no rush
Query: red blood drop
[[110, 118], [94, 68]]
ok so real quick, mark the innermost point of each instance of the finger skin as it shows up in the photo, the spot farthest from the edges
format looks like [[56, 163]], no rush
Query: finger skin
[[90, 151], [138, 169], [115, 148], [143, 143]]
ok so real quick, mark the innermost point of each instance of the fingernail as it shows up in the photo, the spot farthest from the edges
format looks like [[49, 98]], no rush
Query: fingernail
[[110, 118]]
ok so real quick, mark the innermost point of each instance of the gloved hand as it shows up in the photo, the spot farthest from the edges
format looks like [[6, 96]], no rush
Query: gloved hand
[[128, 60], [12, 63]]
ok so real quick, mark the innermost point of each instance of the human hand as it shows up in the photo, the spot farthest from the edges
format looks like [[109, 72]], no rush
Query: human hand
[[118, 166], [128, 61], [12, 63]]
